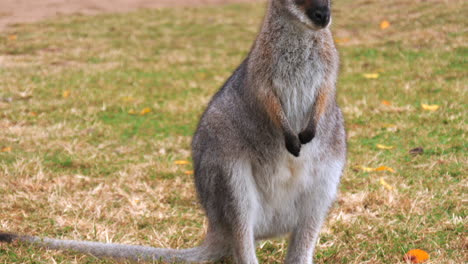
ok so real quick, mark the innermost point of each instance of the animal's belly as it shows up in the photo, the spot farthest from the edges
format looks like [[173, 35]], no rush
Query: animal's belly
[[279, 190]]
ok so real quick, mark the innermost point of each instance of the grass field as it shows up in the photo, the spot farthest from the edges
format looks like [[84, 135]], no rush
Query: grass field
[[95, 112]]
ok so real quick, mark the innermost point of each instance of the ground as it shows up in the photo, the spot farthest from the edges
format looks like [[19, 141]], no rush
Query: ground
[[97, 114], [22, 11]]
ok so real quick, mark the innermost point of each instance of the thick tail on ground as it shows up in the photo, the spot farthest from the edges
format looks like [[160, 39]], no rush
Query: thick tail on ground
[[209, 250]]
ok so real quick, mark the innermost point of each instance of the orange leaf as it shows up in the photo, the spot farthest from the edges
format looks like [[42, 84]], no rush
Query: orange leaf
[[387, 103], [6, 149], [32, 113], [381, 168], [416, 256], [182, 162], [341, 40], [12, 37], [429, 107], [188, 172], [145, 111], [66, 94], [384, 24], [384, 168]]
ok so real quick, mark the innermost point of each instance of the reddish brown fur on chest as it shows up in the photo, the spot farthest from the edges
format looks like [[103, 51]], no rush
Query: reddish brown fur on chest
[[321, 103]]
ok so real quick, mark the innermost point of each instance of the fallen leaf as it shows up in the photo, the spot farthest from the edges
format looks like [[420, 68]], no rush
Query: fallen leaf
[[381, 168], [188, 172], [145, 111], [6, 149], [371, 75], [384, 24], [341, 40], [416, 256], [33, 113], [385, 184], [132, 112], [366, 169], [380, 146], [182, 162], [66, 94], [12, 37], [416, 151], [384, 168], [429, 107], [387, 103]]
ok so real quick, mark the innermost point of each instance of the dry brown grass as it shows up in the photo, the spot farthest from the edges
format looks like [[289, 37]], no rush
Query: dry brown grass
[[82, 167]]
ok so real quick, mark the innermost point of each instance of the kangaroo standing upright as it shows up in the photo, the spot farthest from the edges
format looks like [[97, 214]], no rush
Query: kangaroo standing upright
[[269, 150]]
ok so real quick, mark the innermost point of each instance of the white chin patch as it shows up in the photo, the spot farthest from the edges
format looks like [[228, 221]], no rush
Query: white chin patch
[[329, 22], [299, 14]]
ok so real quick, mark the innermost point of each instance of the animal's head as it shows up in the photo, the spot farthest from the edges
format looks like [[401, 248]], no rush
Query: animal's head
[[315, 14]]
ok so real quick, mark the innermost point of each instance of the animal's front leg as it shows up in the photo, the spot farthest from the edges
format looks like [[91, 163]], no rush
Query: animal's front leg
[[276, 113], [317, 111]]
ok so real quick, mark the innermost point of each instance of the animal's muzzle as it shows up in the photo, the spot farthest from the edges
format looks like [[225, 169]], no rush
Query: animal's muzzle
[[319, 15]]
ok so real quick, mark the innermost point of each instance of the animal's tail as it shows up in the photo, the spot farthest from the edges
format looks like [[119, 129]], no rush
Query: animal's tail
[[209, 250]]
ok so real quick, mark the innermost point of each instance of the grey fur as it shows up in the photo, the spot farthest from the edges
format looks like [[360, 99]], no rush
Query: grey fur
[[269, 149]]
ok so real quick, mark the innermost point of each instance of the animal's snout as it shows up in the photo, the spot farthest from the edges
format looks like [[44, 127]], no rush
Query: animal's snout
[[319, 15]]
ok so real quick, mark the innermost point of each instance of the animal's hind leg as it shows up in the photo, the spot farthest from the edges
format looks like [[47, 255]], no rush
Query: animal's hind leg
[[244, 204], [228, 193], [214, 247]]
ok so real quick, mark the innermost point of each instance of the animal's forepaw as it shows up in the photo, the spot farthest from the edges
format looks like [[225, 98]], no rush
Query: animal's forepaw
[[306, 136], [293, 145]]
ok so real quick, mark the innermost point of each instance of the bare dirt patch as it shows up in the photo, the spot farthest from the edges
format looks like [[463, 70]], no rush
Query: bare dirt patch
[[28, 11]]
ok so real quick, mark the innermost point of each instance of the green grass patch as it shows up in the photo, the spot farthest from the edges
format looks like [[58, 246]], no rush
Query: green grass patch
[[78, 160]]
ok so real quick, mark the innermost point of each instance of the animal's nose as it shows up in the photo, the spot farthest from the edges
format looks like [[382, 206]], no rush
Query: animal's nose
[[320, 15]]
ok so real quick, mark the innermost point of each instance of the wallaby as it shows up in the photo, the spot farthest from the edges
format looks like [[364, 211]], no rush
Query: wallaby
[[269, 150]]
